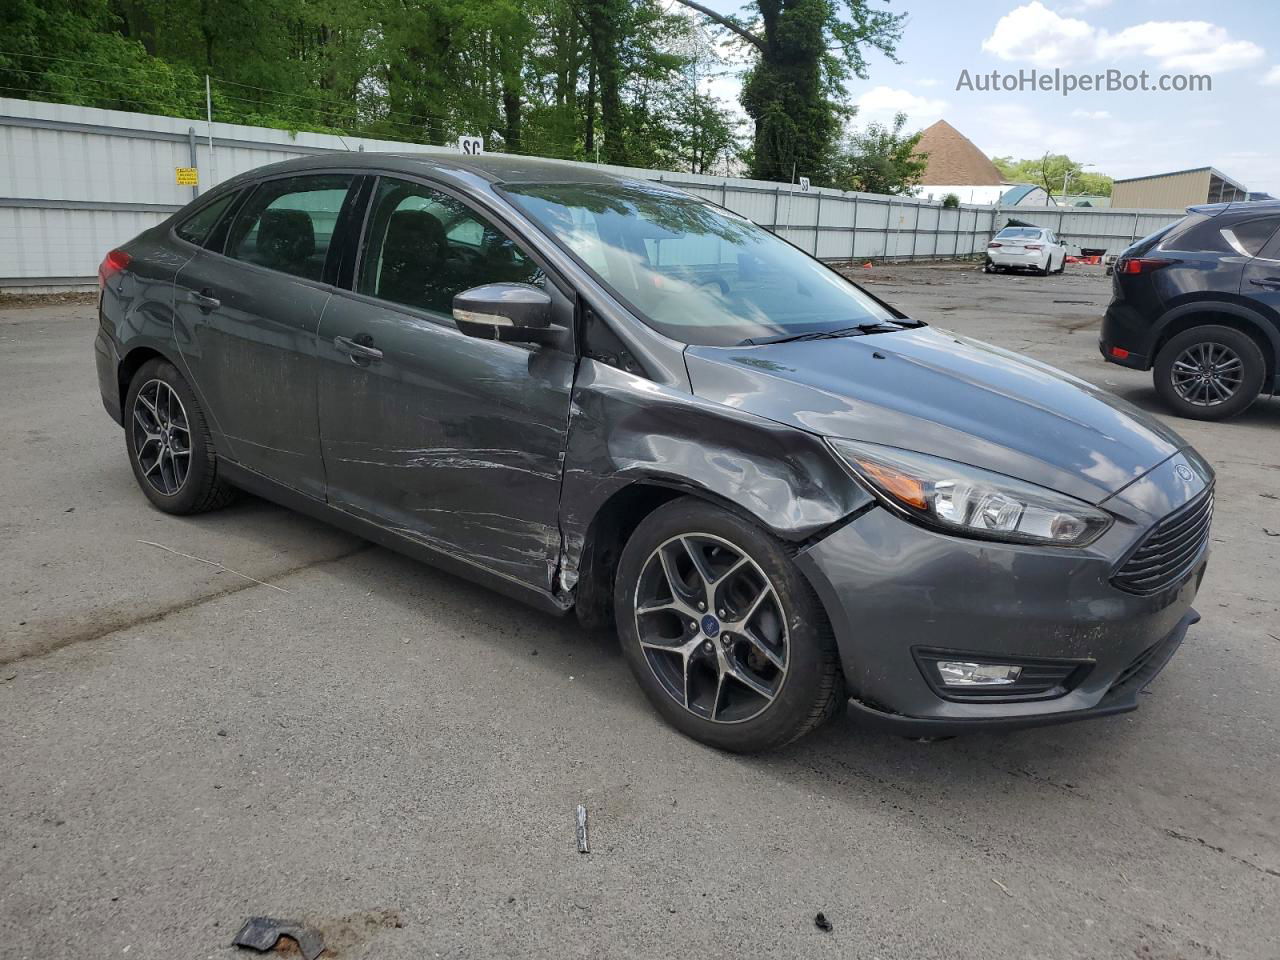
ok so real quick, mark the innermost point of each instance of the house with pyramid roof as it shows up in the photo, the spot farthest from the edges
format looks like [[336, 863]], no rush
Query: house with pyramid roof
[[956, 165]]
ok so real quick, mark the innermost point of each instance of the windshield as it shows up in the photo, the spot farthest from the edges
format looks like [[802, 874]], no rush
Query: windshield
[[1019, 233], [694, 272]]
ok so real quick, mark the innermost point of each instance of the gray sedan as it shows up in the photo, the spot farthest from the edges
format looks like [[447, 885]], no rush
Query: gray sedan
[[605, 396]]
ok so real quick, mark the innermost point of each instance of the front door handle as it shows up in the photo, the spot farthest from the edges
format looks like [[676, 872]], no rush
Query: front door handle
[[205, 299], [361, 350], [1270, 282]]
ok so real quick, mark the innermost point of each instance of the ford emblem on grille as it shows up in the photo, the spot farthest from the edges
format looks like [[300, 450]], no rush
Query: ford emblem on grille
[[1184, 473]]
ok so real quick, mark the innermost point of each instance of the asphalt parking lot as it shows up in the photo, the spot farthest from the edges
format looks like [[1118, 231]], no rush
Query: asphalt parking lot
[[395, 755]]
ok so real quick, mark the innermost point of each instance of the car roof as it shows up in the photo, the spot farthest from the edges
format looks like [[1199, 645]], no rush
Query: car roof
[[1251, 207], [494, 168]]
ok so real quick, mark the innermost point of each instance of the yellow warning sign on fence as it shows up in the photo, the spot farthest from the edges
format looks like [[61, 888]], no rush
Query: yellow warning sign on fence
[[187, 176]]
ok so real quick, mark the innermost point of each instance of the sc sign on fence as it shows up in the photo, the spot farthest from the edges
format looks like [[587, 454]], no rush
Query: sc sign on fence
[[471, 146]]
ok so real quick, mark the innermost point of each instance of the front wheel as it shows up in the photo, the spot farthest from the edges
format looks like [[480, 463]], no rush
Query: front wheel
[[1210, 372], [721, 630]]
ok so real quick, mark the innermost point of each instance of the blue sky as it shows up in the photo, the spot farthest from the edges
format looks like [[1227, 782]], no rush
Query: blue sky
[[1234, 127]]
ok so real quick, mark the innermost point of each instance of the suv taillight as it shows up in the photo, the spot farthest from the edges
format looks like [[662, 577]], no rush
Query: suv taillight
[[112, 263], [1135, 265]]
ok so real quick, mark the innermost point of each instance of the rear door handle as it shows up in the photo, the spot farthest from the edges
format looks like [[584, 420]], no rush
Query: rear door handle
[[358, 351], [205, 299], [1271, 282]]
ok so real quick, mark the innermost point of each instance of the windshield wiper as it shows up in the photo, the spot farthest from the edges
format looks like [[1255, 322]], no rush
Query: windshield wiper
[[870, 326]]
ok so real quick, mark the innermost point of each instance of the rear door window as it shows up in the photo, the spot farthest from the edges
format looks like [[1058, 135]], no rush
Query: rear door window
[[197, 227], [1248, 238], [1272, 250], [288, 225]]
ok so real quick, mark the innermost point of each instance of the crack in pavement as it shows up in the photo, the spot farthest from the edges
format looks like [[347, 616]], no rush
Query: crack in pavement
[[98, 631], [1200, 841]]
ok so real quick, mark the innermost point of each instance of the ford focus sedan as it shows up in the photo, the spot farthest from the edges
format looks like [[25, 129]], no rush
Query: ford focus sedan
[[604, 396]]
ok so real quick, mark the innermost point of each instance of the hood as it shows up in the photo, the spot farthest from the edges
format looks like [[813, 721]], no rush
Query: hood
[[931, 391]]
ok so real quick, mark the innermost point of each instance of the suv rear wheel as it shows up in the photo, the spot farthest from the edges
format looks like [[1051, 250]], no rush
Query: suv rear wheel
[[1210, 372], [723, 633]]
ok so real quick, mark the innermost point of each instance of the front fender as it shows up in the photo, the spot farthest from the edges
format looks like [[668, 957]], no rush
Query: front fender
[[624, 428]]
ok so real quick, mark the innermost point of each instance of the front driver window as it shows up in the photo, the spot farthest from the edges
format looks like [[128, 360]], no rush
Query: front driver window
[[422, 247]]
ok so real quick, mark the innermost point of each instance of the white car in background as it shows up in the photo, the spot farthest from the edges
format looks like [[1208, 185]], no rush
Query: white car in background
[[1026, 248]]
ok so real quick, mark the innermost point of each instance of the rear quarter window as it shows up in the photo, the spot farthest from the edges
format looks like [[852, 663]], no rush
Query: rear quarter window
[[198, 227], [1197, 233]]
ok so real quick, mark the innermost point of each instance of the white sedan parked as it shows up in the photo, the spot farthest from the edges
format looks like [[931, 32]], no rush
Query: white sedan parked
[[1026, 248]]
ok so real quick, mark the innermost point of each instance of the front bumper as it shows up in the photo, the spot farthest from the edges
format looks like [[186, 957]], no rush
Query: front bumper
[[891, 588]]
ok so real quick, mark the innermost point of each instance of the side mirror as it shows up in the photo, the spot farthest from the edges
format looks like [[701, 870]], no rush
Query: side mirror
[[505, 311]]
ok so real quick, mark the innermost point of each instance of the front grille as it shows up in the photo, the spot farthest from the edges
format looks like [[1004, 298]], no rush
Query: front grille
[[1170, 550]]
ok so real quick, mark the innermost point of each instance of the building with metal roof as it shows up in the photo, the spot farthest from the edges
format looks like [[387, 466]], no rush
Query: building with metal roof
[[1181, 188]]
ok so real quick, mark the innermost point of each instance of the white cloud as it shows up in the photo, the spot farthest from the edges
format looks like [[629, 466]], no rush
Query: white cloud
[[1035, 34], [1181, 45], [882, 103], [1094, 3], [1016, 130], [1091, 114], [926, 82], [1272, 76]]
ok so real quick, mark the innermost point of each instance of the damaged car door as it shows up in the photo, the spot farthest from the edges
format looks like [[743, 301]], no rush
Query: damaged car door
[[247, 314], [452, 441]]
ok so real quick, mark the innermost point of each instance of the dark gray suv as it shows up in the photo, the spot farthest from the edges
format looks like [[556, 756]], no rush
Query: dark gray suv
[[602, 395]]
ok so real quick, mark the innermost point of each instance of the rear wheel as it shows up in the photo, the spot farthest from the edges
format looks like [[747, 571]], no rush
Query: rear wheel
[[722, 632], [168, 442], [989, 267], [1210, 372]]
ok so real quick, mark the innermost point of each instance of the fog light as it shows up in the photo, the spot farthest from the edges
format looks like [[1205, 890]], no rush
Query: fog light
[[959, 673]]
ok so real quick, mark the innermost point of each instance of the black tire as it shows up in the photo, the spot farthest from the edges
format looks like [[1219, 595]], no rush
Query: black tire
[[200, 489], [988, 267], [1252, 369], [1062, 267], [810, 692]]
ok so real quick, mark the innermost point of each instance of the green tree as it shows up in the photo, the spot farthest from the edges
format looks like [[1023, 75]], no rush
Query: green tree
[[804, 51], [880, 159], [1050, 171], [550, 77]]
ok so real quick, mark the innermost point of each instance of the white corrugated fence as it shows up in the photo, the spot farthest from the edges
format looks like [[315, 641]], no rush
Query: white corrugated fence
[[77, 181]]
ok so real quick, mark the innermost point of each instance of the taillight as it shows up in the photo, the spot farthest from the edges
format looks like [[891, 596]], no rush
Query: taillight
[[992, 246], [1120, 353], [112, 263], [1035, 246], [1136, 265]]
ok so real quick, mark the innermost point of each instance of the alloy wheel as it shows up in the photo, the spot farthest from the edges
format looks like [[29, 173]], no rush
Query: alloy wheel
[[1207, 374], [161, 437], [712, 628]]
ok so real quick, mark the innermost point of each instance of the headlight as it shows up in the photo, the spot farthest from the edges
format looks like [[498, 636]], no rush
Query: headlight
[[971, 502]]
